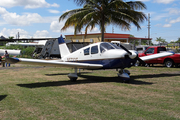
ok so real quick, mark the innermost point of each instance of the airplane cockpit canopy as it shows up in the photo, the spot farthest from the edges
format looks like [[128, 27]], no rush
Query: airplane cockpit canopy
[[103, 47], [108, 46]]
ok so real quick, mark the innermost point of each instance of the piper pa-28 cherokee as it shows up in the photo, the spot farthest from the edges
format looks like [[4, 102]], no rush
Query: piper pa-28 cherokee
[[102, 55]]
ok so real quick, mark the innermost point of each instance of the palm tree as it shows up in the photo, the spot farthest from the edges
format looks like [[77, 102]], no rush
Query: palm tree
[[160, 40], [103, 13]]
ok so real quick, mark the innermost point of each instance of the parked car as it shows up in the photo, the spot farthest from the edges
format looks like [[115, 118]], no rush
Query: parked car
[[169, 61]]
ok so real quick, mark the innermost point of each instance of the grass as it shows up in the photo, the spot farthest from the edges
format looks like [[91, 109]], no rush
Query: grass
[[46, 93]]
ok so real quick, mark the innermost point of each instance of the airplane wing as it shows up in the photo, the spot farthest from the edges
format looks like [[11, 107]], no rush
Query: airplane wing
[[53, 63], [154, 56]]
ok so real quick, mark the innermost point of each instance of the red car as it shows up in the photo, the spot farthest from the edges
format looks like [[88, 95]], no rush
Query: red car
[[168, 61]]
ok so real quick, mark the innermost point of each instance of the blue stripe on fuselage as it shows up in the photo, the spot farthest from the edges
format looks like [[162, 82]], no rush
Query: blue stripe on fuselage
[[112, 63]]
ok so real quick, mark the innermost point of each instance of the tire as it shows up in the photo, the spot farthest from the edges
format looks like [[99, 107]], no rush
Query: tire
[[73, 79], [169, 63]]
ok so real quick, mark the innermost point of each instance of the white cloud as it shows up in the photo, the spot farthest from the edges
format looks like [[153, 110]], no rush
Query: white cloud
[[167, 25], [27, 3], [164, 1], [57, 26], [66, 11], [173, 11], [13, 32], [175, 21], [25, 19], [41, 34], [160, 16], [53, 11]]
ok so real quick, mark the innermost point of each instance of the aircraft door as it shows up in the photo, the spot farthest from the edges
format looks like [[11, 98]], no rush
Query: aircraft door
[[95, 52]]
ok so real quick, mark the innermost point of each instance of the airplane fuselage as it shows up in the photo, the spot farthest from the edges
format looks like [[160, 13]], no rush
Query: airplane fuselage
[[99, 53]]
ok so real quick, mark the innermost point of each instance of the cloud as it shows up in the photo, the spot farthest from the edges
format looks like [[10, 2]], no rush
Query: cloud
[[25, 19], [160, 16], [167, 25], [173, 11], [13, 32], [53, 11], [27, 3], [41, 34], [164, 1], [66, 11], [57, 26], [175, 21]]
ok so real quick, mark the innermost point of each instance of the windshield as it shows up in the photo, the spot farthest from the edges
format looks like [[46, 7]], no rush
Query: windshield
[[107, 46]]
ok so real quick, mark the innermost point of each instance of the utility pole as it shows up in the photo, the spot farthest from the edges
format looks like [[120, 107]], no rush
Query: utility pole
[[149, 25]]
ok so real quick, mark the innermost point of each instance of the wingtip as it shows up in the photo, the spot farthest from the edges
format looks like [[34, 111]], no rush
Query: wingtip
[[12, 60]]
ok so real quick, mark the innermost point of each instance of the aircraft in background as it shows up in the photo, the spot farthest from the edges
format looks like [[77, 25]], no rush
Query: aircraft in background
[[102, 55], [10, 52]]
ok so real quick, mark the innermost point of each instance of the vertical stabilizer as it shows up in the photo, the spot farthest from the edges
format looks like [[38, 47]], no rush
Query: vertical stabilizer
[[63, 47]]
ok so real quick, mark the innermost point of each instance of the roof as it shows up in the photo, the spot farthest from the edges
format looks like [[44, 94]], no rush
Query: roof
[[2, 37], [113, 36]]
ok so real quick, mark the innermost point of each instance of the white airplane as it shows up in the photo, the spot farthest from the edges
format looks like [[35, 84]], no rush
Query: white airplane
[[10, 52], [102, 55]]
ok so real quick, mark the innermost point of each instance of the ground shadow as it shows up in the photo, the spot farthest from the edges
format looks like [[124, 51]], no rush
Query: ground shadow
[[155, 75], [2, 97], [88, 79]]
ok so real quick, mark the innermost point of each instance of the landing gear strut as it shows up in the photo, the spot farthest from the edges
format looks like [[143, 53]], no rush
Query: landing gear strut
[[73, 76], [124, 75]]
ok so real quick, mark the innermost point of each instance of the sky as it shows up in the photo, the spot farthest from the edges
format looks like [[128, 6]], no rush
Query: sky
[[40, 18]]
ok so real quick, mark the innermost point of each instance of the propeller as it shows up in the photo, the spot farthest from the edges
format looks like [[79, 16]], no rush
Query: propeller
[[137, 58]]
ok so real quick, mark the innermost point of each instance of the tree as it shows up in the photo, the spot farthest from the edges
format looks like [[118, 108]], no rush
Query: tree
[[10, 37], [160, 40], [178, 41], [103, 13]]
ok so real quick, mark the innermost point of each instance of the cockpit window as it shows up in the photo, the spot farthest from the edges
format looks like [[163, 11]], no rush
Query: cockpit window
[[86, 51], [94, 49], [115, 46], [107, 46]]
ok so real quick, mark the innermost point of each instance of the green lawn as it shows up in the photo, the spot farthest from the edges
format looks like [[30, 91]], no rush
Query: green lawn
[[44, 93]]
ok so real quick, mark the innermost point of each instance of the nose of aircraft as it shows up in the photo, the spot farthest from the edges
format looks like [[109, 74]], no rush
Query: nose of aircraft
[[133, 54]]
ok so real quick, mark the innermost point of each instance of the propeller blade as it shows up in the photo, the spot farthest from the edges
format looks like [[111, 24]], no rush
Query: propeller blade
[[137, 58], [125, 49], [140, 60]]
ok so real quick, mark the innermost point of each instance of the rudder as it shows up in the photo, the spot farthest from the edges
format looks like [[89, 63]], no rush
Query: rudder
[[63, 47]]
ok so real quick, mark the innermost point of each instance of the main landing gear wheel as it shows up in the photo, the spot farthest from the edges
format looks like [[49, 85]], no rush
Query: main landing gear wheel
[[73, 79], [73, 76]]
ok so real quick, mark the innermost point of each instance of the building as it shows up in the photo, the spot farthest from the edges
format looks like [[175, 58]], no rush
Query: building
[[2, 42], [108, 37]]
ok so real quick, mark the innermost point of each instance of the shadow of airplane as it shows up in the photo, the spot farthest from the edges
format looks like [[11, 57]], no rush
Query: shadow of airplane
[[88, 79], [96, 79], [2, 97]]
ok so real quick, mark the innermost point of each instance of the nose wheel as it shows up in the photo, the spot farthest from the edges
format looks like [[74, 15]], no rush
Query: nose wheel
[[124, 75]]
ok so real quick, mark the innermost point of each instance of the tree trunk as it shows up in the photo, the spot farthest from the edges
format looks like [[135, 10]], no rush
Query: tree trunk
[[102, 28]]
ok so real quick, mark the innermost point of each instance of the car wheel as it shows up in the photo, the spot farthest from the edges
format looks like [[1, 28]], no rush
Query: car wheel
[[169, 63]]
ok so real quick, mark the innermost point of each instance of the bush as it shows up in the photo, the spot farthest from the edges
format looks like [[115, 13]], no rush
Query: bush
[[25, 52]]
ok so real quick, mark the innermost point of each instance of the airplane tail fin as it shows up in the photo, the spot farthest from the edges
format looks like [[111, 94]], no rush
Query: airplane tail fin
[[63, 47]]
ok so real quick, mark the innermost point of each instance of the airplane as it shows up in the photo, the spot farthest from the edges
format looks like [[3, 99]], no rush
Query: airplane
[[101, 55], [10, 52]]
